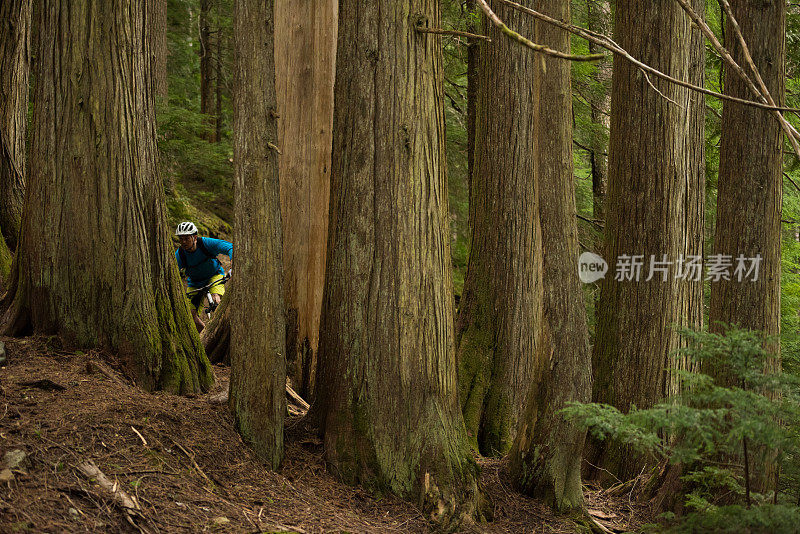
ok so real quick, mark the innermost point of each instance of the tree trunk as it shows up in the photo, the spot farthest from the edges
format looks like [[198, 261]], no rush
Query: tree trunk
[[258, 328], [599, 20], [218, 80], [646, 215], [749, 194], [15, 55], [546, 458], [206, 66], [473, 49], [305, 42], [500, 312], [216, 336], [157, 19], [387, 398], [5, 264], [95, 264]]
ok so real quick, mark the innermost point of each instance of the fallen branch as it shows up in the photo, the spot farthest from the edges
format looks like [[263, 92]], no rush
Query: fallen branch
[[93, 472], [144, 441], [297, 398], [194, 462], [94, 365]]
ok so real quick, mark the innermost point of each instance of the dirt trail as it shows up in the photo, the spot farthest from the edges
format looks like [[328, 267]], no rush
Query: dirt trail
[[184, 465]]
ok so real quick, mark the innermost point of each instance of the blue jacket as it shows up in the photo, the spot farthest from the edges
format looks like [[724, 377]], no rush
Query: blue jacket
[[201, 267]]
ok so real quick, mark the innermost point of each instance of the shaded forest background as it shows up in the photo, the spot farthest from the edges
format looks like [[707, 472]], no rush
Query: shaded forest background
[[195, 136], [195, 123]]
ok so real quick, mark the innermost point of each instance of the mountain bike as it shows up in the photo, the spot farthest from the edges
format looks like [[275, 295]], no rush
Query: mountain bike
[[199, 295]]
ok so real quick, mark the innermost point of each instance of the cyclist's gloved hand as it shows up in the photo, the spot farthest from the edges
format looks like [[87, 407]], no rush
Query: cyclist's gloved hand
[[230, 273]]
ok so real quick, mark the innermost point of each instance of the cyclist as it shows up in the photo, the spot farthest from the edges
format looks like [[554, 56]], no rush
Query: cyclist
[[197, 259]]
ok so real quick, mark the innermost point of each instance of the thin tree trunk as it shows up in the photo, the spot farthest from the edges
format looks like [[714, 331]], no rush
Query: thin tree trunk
[[258, 330], [473, 49], [95, 265], [206, 66], [599, 20], [749, 194], [218, 80], [546, 458], [305, 42], [15, 56], [500, 312], [157, 19], [646, 215], [387, 398]]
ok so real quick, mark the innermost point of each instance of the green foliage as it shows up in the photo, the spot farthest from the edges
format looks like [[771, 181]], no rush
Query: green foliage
[[705, 427], [198, 173], [455, 16]]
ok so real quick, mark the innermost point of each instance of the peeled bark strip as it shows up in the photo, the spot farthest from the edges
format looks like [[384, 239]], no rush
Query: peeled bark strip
[[646, 211], [15, 55], [387, 397], [501, 306], [258, 329], [546, 458], [95, 264], [305, 42]]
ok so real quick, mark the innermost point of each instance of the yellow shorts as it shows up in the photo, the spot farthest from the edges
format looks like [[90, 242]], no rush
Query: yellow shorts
[[197, 300]]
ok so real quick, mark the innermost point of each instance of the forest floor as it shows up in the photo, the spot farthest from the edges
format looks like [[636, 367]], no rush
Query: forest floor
[[182, 461]]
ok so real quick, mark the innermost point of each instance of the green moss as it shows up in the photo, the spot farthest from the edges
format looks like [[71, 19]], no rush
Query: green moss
[[5, 261], [474, 373]]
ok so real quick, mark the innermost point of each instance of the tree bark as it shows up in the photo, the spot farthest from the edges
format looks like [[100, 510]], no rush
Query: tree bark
[[473, 49], [305, 42], [545, 460], [15, 56], [387, 398], [749, 194], [5, 264], [216, 336], [258, 329], [95, 264], [500, 312], [599, 20], [157, 19], [646, 215], [750, 176]]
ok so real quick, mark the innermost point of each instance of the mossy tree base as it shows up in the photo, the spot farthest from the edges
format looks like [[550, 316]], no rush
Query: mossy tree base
[[97, 268]]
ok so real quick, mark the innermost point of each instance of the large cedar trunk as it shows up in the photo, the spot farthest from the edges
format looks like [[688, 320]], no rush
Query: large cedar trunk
[[15, 55], [258, 370], [646, 215], [387, 398], [546, 457], [501, 306], [750, 176], [305, 43], [750, 191], [95, 264]]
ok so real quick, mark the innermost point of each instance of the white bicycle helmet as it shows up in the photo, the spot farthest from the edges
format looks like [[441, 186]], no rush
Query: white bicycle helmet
[[186, 228]]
